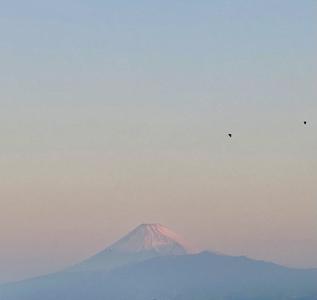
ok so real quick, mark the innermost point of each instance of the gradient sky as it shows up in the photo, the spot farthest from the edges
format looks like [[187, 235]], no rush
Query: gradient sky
[[115, 113]]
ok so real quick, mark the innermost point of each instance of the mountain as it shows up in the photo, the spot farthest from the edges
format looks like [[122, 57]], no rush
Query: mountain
[[202, 276], [144, 242], [173, 273]]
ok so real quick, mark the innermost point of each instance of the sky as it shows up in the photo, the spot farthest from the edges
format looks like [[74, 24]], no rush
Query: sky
[[116, 113]]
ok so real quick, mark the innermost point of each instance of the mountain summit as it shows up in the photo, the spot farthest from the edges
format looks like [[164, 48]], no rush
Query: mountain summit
[[153, 237], [144, 242]]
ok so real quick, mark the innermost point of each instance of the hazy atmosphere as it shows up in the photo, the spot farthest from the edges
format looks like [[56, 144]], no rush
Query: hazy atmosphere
[[116, 113]]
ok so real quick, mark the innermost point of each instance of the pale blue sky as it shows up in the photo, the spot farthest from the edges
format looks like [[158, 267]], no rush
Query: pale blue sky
[[115, 113]]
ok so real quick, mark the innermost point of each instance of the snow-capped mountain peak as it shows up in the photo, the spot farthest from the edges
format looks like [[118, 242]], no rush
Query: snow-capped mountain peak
[[152, 237], [144, 242]]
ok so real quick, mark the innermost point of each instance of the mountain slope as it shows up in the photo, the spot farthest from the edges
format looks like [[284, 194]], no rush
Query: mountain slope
[[201, 276]]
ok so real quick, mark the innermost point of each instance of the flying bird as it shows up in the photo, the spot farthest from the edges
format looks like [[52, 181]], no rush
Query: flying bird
[[230, 135], [305, 122]]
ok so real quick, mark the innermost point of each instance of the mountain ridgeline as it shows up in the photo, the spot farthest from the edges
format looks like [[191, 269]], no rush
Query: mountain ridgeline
[[153, 262]]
